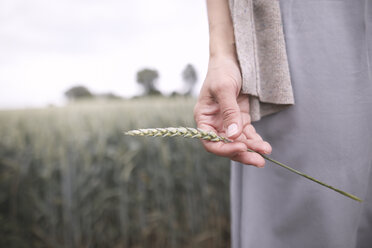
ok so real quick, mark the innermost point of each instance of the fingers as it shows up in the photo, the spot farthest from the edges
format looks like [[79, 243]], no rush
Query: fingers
[[237, 150], [221, 148], [259, 146], [254, 140], [231, 115], [250, 158], [224, 149]]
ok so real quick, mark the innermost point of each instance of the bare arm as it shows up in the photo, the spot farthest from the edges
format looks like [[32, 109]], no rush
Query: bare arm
[[221, 107], [221, 32]]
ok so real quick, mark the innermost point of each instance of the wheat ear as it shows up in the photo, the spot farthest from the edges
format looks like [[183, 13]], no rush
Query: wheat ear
[[189, 132]]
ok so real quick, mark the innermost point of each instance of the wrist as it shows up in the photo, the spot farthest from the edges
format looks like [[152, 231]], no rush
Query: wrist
[[226, 52], [222, 43], [221, 30], [219, 59]]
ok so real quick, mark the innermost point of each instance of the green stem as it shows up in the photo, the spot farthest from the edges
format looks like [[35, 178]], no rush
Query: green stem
[[309, 177]]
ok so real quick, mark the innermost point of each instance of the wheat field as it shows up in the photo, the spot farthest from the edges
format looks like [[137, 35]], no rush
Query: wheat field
[[70, 178]]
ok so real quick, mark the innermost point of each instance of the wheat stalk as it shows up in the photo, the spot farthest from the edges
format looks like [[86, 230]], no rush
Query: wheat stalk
[[189, 132]]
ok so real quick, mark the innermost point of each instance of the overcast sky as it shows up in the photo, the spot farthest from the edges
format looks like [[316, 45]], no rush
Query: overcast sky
[[47, 46]]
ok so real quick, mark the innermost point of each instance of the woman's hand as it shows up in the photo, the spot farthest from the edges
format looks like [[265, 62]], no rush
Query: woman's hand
[[222, 108]]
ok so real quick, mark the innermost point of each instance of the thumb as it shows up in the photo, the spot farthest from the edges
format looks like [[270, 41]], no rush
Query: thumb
[[232, 119]]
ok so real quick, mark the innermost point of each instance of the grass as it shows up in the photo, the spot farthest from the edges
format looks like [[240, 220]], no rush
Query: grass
[[70, 178]]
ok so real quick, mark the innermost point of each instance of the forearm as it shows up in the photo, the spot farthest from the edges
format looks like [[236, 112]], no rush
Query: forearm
[[221, 31], [221, 107]]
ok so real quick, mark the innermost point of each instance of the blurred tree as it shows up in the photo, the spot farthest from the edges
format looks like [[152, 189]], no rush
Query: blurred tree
[[190, 77], [147, 78], [175, 94], [78, 92], [108, 96]]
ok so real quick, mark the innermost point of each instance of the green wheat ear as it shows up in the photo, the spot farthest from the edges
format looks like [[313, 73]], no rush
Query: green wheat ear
[[189, 132]]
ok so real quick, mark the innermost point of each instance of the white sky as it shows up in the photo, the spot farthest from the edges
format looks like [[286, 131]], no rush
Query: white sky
[[47, 46]]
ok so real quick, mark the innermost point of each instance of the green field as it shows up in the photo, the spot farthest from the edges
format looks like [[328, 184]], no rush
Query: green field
[[70, 178]]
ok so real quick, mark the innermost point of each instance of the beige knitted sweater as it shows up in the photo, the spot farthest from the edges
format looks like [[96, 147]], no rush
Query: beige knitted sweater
[[262, 55]]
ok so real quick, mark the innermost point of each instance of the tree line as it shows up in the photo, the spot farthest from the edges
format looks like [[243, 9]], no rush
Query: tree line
[[147, 78]]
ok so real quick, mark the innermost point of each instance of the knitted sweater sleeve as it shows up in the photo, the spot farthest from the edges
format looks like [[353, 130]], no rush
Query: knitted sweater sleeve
[[261, 51]]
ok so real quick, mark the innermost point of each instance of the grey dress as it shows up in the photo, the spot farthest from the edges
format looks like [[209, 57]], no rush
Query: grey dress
[[326, 134]]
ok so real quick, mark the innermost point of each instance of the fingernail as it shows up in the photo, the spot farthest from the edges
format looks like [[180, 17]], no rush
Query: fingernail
[[232, 129]]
